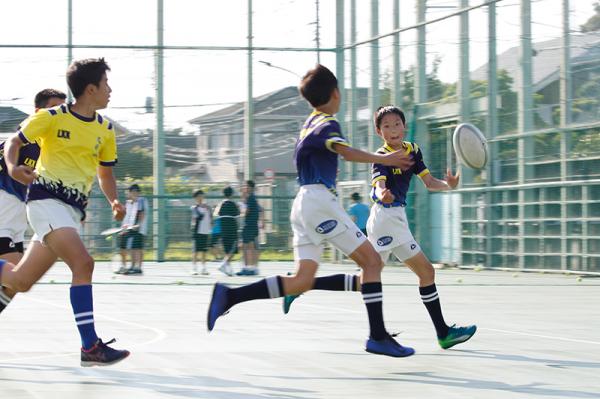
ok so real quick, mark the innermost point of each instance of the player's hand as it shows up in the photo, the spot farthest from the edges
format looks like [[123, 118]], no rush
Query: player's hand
[[118, 210], [23, 174], [386, 196], [399, 159], [451, 179]]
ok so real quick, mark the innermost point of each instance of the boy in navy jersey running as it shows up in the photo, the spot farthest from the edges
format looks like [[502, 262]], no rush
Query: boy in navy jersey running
[[317, 216], [388, 228], [13, 222]]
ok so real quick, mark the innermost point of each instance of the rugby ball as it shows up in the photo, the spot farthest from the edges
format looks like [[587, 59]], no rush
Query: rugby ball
[[470, 146]]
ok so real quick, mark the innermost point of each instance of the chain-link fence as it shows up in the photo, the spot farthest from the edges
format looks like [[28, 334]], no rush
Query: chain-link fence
[[200, 103]]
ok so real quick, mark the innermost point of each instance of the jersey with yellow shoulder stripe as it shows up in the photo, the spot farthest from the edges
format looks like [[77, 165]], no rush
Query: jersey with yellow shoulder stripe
[[316, 160], [27, 156], [397, 180], [72, 147]]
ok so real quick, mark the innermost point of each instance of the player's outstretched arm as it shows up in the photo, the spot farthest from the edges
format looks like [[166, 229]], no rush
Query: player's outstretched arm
[[399, 158], [21, 173], [450, 181], [108, 185]]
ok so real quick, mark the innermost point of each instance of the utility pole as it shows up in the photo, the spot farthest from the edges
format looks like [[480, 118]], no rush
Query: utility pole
[[70, 42], [318, 32]]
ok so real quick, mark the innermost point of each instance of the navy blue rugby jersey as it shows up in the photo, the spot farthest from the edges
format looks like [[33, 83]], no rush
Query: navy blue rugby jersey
[[315, 159], [396, 180], [28, 155]]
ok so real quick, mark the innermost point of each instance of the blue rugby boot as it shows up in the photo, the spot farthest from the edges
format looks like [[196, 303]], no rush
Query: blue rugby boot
[[218, 305], [287, 302], [248, 271], [288, 299], [388, 347], [457, 335]]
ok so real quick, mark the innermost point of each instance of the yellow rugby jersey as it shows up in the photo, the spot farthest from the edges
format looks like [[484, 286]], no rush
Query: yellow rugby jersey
[[72, 147]]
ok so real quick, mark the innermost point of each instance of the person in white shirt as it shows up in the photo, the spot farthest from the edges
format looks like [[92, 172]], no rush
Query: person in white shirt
[[201, 228], [135, 229]]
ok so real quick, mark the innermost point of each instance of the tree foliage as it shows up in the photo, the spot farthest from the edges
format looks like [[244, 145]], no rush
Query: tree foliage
[[587, 98], [592, 24], [134, 163]]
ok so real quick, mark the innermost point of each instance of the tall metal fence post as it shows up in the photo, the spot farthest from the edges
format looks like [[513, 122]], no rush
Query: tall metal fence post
[[340, 70], [374, 87], [565, 137], [249, 108], [421, 202], [160, 221], [354, 93], [491, 130], [526, 111]]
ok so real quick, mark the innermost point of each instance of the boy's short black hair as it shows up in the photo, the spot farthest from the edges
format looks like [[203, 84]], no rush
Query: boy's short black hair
[[135, 187], [198, 193], [228, 191], [355, 197], [41, 99], [250, 183], [81, 73], [317, 85], [385, 110]]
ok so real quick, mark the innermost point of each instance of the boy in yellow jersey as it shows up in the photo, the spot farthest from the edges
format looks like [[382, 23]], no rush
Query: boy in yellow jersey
[[76, 144]]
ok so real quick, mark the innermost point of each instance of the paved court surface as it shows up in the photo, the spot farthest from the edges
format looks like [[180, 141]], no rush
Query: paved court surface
[[539, 337]]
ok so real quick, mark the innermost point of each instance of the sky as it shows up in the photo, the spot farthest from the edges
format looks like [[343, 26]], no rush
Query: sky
[[197, 82]]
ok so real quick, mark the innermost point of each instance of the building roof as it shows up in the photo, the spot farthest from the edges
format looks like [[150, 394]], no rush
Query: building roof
[[283, 103], [10, 118], [585, 48]]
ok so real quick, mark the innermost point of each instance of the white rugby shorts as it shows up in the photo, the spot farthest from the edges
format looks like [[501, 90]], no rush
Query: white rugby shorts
[[47, 215], [13, 217], [317, 216], [388, 231]]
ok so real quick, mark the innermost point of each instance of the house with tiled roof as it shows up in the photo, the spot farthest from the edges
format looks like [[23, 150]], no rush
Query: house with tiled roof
[[585, 61], [278, 117], [10, 118]]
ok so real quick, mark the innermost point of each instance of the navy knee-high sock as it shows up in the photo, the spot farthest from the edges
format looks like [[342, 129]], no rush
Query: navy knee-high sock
[[4, 299], [431, 300], [270, 287], [337, 282], [83, 308], [373, 297]]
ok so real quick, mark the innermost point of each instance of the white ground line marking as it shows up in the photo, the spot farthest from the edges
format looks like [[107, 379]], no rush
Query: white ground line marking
[[542, 336], [22, 359], [482, 328], [160, 334], [332, 308]]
